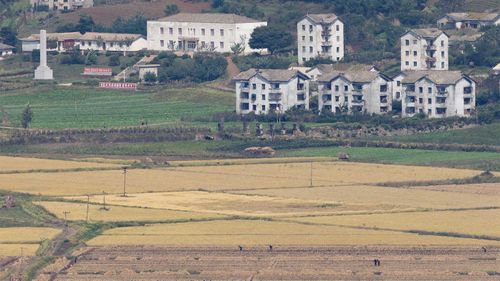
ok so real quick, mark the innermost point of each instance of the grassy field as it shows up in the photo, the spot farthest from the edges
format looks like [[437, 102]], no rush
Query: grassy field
[[78, 212], [241, 232], [482, 135], [94, 108]]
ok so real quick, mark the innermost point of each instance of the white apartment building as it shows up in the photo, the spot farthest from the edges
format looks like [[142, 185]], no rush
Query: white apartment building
[[191, 32], [362, 91], [437, 94], [320, 69], [424, 49], [469, 20], [96, 41], [261, 91], [320, 35], [62, 5]]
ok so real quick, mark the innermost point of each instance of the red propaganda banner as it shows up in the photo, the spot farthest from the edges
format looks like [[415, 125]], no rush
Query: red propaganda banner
[[97, 71], [118, 86]]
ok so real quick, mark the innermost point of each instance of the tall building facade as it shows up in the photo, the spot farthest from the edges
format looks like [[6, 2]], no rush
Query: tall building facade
[[424, 49]]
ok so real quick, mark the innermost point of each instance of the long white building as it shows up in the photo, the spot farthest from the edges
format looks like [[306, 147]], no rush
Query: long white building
[[62, 5], [261, 91], [351, 91], [437, 94], [320, 36], [424, 49], [192, 32]]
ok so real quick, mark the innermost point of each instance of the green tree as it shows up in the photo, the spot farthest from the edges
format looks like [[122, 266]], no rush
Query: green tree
[[171, 10], [271, 38], [86, 24], [27, 116], [150, 78], [114, 60], [217, 3], [8, 36], [239, 47]]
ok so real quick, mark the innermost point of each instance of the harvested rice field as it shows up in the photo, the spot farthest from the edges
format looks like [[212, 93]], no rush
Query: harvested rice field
[[284, 263], [222, 178], [78, 212], [258, 232], [20, 164], [483, 189], [18, 250]]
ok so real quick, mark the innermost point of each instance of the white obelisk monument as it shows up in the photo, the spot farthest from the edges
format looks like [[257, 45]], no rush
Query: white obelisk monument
[[43, 72]]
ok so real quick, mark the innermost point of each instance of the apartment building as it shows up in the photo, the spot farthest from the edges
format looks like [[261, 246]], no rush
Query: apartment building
[[320, 69], [261, 91], [362, 91], [62, 5], [424, 49], [320, 35], [96, 41], [437, 94], [192, 32], [468, 20]]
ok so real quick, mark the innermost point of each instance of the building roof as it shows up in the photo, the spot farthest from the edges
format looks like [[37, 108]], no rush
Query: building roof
[[472, 16], [440, 77], [325, 68], [355, 76], [6, 47], [322, 18], [87, 36], [427, 33], [271, 75], [208, 18], [497, 67]]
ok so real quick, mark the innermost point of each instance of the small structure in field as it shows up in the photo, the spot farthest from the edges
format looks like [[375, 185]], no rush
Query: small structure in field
[[151, 68], [343, 156], [260, 151], [9, 202]]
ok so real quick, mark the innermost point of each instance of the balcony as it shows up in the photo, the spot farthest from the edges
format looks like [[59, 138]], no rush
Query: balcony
[[245, 86], [431, 48], [275, 90], [383, 100], [430, 59], [274, 98], [326, 98], [244, 96], [357, 102], [326, 43]]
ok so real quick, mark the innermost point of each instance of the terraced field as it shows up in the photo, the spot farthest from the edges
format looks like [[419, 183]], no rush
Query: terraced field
[[17, 241]]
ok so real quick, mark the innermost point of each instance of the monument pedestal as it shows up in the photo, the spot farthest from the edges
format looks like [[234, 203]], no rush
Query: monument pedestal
[[43, 73]]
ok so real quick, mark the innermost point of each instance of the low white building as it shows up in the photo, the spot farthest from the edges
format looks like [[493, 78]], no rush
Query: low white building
[[361, 91], [6, 50], [96, 41], [437, 94], [62, 5], [424, 49], [192, 32], [316, 71], [261, 91], [470, 20], [320, 36]]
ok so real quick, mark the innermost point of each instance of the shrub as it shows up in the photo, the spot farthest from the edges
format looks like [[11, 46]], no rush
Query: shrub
[[114, 60]]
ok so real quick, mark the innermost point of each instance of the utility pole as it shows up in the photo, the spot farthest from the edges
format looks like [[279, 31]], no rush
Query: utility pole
[[22, 254], [66, 218], [88, 202], [104, 208], [311, 176], [124, 181]]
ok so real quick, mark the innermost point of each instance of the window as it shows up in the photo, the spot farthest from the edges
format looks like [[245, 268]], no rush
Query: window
[[171, 43], [398, 83], [415, 63], [310, 28], [179, 30], [337, 98], [221, 44], [407, 42], [304, 27], [303, 49], [442, 54], [338, 38], [346, 88], [303, 38], [420, 100], [212, 44], [111, 44], [429, 90], [407, 53], [162, 30], [442, 65], [338, 49], [212, 32], [263, 86], [263, 107], [244, 106], [398, 95], [83, 43], [203, 44], [421, 90], [311, 39], [429, 101], [254, 86], [222, 32], [442, 43], [383, 88], [254, 107], [336, 88], [263, 97], [415, 53], [311, 49], [162, 43], [203, 31], [170, 30], [346, 99], [407, 63], [337, 27]]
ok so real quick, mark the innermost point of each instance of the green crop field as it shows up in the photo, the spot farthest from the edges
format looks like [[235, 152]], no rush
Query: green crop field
[[482, 135], [95, 108]]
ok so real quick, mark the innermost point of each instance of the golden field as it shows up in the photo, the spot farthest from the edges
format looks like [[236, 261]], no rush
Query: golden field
[[247, 161], [217, 178], [477, 222], [255, 232], [232, 204], [9, 164], [12, 239], [78, 212], [482, 188], [373, 195]]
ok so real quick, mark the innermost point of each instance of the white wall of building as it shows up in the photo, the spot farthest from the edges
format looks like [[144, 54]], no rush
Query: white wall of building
[[416, 51], [311, 42]]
